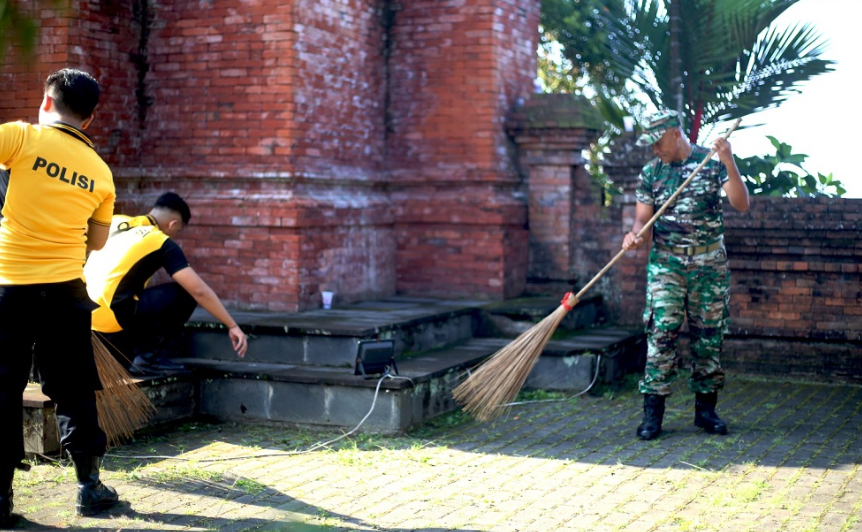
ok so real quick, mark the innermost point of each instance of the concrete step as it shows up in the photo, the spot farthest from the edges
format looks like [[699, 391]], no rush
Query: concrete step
[[241, 390], [512, 317], [300, 367], [334, 396], [570, 364], [174, 396], [329, 337]]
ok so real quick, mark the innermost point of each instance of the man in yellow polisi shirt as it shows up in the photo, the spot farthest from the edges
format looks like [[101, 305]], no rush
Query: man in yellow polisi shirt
[[58, 207], [142, 320]]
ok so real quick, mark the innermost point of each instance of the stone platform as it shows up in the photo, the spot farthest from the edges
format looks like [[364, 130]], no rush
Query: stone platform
[[300, 368]]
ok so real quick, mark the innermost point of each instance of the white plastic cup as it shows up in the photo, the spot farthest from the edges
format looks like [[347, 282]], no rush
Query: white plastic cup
[[327, 298]]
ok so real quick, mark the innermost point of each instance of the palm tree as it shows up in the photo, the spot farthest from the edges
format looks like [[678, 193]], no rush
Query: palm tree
[[727, 63]]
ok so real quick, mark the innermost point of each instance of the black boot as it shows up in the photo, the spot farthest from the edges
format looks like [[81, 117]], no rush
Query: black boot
[[705, 416], [93, 496], [650, 428], [6, 518]]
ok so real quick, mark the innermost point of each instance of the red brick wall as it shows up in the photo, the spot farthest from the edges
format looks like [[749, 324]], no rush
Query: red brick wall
[[304, 135], [268, 89], [796, 301], [459, 69], [796, 266], [270, 117], [86, 35]]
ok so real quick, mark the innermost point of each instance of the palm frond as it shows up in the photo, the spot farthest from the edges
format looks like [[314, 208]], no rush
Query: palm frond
[[777, 66]]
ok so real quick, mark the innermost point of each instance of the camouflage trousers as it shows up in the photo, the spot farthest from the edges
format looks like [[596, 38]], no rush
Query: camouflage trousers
[[681, 288]]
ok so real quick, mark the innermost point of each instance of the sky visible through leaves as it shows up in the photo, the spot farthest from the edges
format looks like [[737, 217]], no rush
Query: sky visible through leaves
[[824, 121]]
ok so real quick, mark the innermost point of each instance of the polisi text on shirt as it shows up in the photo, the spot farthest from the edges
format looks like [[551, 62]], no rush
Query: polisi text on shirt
[[55, 170]]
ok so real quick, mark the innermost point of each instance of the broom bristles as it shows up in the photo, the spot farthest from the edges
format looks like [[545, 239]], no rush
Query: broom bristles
[[497, 380], [122, 406]]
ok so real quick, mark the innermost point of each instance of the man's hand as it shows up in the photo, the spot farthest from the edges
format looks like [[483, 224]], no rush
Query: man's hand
[[238, 339], [722, 148], [631, 241]]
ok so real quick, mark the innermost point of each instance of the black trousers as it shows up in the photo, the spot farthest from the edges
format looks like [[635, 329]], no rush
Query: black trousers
[[50, 322], [152, 324]]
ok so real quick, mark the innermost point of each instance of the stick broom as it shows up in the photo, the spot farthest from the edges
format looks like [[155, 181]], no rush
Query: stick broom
[[497, 380], [122, 406]]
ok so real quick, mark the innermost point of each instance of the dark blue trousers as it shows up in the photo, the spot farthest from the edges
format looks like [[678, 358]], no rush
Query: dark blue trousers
[[50, 322], [153, 323]]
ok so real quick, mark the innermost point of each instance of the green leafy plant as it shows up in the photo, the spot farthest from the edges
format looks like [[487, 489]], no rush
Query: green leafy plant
[[713, 60], [782, 174]]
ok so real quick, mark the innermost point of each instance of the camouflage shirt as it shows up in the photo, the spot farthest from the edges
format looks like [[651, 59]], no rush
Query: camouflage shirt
[[695, 217]]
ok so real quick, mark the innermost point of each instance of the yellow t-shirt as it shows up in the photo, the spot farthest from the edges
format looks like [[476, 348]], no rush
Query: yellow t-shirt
[[58, 183], [120, 271]]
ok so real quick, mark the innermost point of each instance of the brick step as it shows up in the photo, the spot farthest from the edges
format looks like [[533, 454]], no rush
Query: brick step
[[330, 396], [174, 396], [236, 390], [512, 317], [300, 367], [329, 337]]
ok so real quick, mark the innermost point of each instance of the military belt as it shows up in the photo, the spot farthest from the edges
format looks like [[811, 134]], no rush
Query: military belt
[[690, 251]]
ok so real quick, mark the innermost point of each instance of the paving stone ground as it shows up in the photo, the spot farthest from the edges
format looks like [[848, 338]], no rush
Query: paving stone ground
[[791, 463]]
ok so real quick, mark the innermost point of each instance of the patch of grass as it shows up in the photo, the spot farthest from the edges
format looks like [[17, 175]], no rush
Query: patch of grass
[[850, 523], [449, 420], [326, 520], [538, 395], [624, 386], [750, 492], [53, 472], [249, 486], [175, 473]]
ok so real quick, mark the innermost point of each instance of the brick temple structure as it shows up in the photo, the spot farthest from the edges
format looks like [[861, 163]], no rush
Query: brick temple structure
[[350, 145], [379, 147]]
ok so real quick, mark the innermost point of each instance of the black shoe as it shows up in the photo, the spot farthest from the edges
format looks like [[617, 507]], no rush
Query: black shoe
[[143, 367], [93, 496], [650, 428], [705, 416], [7, 519], [168, 365]]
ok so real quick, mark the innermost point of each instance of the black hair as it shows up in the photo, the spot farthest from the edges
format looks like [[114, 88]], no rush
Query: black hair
[[173, 202], [74, 92]]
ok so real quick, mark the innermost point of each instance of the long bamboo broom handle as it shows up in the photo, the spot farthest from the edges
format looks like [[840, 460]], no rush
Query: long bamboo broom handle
[[594, 280]]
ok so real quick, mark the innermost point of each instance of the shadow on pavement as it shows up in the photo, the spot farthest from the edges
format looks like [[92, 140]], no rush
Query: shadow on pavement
[[771, 424]]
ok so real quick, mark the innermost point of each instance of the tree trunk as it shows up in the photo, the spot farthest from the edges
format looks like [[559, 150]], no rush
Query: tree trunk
[[675, 56]]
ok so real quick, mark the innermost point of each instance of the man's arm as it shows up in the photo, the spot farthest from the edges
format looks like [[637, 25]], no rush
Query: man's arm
[[737, 192], [643, 214], [97, 236], [207, 298]]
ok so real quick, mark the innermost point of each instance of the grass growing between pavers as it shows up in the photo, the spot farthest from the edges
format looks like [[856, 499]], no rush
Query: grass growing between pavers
[[791, 463]]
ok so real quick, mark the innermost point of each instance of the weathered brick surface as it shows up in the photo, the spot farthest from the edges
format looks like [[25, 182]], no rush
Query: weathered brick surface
[[459, 67], [297, 130], [796, 265]]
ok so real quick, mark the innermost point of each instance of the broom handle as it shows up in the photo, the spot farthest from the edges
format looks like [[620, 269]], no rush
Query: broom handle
[[651, 221]]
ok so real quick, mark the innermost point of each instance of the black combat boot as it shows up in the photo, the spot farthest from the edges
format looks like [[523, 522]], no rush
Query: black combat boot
[[6, 518], [650, 428], [705, 416], [93, 496]]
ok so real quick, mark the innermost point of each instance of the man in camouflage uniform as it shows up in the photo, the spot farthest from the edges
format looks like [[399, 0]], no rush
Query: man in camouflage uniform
[[687, 274]]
